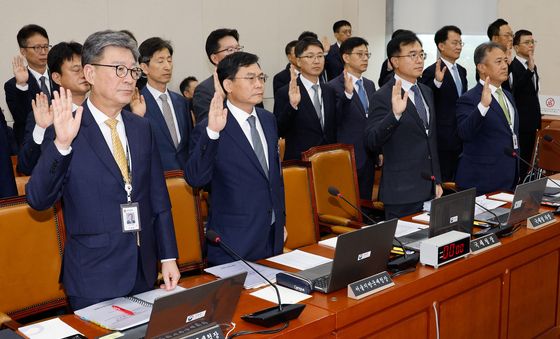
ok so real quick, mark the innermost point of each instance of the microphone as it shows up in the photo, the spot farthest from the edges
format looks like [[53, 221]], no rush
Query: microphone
[[512, 153], [336, 193], [270, 316]]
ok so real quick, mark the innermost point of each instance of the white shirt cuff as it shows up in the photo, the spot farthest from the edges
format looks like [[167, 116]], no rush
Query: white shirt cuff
[[64, 152], [349, 96], [22, 88], [437, 83], [211, 134], [166, 260], [38, 134], [483, 110]]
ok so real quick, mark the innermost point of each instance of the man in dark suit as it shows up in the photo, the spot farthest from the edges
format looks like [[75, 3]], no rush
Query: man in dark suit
[[235, 151], [448, 81], [103, 163], [386, 73], [65, 65], [187, 87], [488, 122], [8, 187], [219, 44], [525, 79], [354, 93], [402, 124], [334, 65], [305, 108], [34, 46], [282, 78], [167, 111], [501, 33]]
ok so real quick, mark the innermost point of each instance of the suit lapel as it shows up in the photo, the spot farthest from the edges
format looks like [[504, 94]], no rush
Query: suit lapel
[[307, 104], [135, 142], [156, 114], [431, 109], [269, 132], [181, 123]]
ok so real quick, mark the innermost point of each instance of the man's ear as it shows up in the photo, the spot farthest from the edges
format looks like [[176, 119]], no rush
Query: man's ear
[[56, 78], [89, 74], [394, 62], [227, 85], [346, 58], [144, 67], [214, 58]]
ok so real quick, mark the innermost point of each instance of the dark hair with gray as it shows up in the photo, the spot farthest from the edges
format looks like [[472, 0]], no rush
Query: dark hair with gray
[[483, 49], [230, 65], [95, 45]]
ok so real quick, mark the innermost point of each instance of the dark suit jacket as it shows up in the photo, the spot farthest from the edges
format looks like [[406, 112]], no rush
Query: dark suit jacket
[[171, 158], [301, 128], [445, 99], [281, 79], [333, 62], [483, 163], [29, 151], [8, 185], [526, 97], [203, 94], [407, 150], [385, 75], [242, 198], [19, 102], [100, 261]]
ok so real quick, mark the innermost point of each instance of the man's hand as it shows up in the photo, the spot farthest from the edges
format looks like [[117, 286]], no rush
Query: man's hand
[[439, 71], [486, 97], [137, 103], [439, 191], [42, 112], [171, 275], [66, 125], [531, 61], [348, 83], [217, 86], [399, 102], [326, 44], [20, 70], [217, 115], [293, 90]]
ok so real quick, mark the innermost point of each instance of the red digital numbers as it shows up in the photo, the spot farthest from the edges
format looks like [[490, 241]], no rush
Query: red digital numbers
[[452, 250]]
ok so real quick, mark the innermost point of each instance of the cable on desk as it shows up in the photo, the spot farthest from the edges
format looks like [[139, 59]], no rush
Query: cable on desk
[[434, 305], [272, 331]]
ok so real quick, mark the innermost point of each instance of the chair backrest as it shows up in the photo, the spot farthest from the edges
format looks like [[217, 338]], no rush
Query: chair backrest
[[549, 152], [185, 208], [335, 165], [31, 248], [302, 223]]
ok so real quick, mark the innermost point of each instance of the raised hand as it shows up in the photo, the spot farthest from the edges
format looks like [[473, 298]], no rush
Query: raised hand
[[20, 70], [217, 86], [137, 103], [217, 115], [293, 90], [531, 61], [66, 125], [42, 112], [486, 97], [509, 55], [397, 100], [348, 83], [439, 71], [326, 44]]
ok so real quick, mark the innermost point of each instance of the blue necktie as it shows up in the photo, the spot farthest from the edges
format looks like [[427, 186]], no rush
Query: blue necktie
[[419, 103], [362, 94], [457, 79]]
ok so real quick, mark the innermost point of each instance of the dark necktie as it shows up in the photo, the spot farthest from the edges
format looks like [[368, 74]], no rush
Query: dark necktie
[[457, 80], [362, 94], [257, 144], [419, 103], [44, 87], [317, 103]]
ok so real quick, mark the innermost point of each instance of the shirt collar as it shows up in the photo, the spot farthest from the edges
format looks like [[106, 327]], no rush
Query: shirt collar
[[155, 93], [99, 116], [447, 63], [38, 75], [522, 60], [492, 87], [239, 114], [354, 78], [405, 84], [307, 84]]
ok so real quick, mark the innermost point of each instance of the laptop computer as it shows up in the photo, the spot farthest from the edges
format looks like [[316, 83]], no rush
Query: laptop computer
[[453, 212], [358, 254], [526, 202], [192, 310]]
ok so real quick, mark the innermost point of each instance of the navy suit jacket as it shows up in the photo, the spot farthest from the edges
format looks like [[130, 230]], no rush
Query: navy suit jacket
[[333, 62], [242, 197], [526, 97], [171, 158], [301, 128], [203, 94], [407, 150], [29, 151], [19, 102], [445, 99], [8, 185], [483, 163], [281, 79], [100, 261]]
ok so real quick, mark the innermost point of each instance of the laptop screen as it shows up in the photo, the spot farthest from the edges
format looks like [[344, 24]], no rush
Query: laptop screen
[[526, 200], [453, 212]]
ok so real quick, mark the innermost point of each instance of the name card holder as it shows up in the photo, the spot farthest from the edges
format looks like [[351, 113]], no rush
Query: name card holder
[[540, 220], [484, 243], [370, 285], [213, 332]]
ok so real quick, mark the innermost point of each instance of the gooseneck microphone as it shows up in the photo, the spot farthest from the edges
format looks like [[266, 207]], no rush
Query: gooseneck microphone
[[270, 316], [512, 153], [336, 193]]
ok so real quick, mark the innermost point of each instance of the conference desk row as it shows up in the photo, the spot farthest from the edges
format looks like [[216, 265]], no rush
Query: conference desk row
[[510, 291]]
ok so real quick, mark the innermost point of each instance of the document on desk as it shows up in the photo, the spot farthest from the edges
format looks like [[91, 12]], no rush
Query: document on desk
[[488, 203], [253, 280], [287, 295], [407, 227], [424, 217], [551, 183], [502, 196], [299, 259], [330, 242], [54, 328]]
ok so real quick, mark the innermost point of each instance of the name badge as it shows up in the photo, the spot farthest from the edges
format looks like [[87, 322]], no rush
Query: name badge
[[130, 217], [514, 139]]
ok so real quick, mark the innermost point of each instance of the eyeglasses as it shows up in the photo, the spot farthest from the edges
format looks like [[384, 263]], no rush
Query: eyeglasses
[[122, 70], [253, 78], [456, 43], [39, 48], [507, 35], [414, 56], [362, 55], [529, 42], [311, 57], [230, 50]]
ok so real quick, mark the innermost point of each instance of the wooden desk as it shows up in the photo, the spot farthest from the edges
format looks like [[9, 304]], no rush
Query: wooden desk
[[547, 119]]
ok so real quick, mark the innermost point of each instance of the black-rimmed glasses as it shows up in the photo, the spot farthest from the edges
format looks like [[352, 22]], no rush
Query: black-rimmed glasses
[[122, 70]]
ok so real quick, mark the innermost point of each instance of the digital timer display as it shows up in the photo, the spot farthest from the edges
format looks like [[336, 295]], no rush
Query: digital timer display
[[453, 250]]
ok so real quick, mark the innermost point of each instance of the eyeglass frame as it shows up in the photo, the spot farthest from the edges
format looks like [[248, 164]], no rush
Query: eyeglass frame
[[38, 48], [231, 49], [413, 56], [528, 42], [312, 57], [361, 55], [261, 78], [455, 43], [137, 69]]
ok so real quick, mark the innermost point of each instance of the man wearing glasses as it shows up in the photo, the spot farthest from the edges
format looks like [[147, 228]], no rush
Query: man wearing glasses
[[219, 44], [28, 80], [402, 124], [103, 162], [305, 108], [448, 81], [501, 33], [235, 151]]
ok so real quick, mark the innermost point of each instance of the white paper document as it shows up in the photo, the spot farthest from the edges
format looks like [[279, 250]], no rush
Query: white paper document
[[488, 203], [299, 259], [50, 329], [407, 227], [288, 296], [550, 183], [253, 280], [502, 196], [330, 242], [424, 217]]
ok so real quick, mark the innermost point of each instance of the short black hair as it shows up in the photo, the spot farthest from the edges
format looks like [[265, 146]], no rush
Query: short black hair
[[400, 31], [340, 23], [443, 33], [230, 65], [483, 49], [150, 46], [63, 51], [304, 43], [28, 31], [402, 39], [129, 33], [347, 46], [307, 34], [289, 46], [212, 41], [186, 82], [519, 34], [494, 28]]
